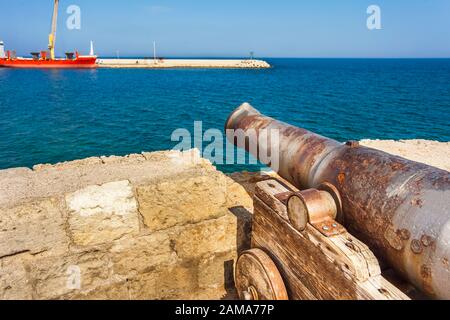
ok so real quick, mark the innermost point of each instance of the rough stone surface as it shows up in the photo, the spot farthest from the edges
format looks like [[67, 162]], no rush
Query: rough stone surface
[[182, 200], [197, 240], [114, 291], [14, 282], [210, 278], [33, 227], [58, 276], [142, 254], [163, 225], [99, 214], [171, 282], [45, 181]]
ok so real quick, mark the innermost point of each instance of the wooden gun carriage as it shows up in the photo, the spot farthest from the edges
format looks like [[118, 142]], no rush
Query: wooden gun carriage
[[300, 251]]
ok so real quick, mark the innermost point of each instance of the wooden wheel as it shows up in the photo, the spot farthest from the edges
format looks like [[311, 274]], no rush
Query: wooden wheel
[[257, 277]]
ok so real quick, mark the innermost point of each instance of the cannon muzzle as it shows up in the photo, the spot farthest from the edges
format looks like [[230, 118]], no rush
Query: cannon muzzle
[[400, 208]]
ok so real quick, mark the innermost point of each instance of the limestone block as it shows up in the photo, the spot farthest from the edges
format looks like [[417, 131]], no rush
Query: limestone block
[[177, 282], [115, 291], [71, 274], [183, 200], [143, 287], [132, 158], [205, 238], [68, 164], [32, 227], [142, 254], [213, 294], [237, 195], [216, 271], [172, 282], [100, 214], [14, 283], [14, 183]]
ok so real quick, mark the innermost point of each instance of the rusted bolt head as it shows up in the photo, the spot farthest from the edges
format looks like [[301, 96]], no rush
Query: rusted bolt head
[[416, 246], [352, 143], [417, 202], [426, 240], [404, 234]]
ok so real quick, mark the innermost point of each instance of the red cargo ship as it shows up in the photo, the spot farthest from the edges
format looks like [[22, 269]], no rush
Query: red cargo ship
[[46, 59], [86, 62]]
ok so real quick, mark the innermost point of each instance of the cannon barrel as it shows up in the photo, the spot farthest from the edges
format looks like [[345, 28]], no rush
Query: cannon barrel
[[400, 208]]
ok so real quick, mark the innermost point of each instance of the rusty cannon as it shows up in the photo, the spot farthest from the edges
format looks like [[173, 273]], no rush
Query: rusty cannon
[[398, 208]]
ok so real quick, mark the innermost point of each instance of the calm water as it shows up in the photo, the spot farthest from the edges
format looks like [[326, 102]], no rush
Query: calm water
[[53, 116]]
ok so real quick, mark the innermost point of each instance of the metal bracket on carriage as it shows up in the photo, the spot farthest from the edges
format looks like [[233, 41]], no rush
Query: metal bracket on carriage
[[320, 207]]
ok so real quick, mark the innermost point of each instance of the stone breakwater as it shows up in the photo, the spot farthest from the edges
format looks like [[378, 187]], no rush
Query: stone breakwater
[[183, 63], [164, 225]]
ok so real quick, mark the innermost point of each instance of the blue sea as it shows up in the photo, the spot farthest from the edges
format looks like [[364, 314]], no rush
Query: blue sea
[[49, 116]]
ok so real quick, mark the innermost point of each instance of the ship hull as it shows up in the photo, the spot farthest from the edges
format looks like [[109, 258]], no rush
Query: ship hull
[[78, 63]]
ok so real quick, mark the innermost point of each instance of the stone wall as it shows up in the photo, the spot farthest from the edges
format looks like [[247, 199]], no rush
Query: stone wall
[[163, 225]]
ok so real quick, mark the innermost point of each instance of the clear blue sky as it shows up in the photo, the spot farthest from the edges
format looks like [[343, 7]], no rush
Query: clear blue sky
[[270, 28]]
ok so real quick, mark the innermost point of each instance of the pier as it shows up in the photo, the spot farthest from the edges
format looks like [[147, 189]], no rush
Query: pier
[[183, 63]]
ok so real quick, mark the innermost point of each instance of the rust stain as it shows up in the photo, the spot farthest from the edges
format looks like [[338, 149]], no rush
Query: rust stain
[[426, 240], [393, 239], [404, 234], [417, 202], [352, 144], [341, 178], [427, 277]]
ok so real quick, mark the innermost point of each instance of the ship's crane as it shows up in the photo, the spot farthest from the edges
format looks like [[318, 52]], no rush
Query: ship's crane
[[52, 35]]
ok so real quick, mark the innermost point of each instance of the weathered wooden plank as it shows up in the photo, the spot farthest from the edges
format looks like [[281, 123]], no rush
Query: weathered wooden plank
[[298, 259], [315, 266], [267, 191], [296, 289]]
